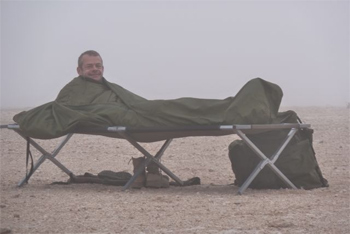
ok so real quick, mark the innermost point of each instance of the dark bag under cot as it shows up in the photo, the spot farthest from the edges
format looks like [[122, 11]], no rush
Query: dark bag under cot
[[297, 161]]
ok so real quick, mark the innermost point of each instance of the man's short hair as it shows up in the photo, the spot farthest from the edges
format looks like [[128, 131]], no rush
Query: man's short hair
[[88, 52]]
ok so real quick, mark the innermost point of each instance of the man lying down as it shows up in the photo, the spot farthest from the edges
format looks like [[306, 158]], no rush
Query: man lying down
[[89, 100]]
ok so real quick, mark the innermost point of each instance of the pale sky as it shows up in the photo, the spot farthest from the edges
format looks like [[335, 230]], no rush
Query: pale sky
[[172, 49]]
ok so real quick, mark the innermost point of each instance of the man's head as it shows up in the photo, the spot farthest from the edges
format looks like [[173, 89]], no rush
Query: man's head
[[90, 65]]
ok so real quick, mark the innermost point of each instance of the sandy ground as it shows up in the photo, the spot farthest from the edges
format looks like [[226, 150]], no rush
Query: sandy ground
[[212, 207]]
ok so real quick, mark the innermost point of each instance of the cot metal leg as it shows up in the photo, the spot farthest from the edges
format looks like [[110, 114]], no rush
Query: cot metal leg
[[150, 158], [266, 161], [46, 155]]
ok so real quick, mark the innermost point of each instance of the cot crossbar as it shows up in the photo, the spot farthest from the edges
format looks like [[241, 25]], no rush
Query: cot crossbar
[[266, 160], [46, 155], [131, 135]]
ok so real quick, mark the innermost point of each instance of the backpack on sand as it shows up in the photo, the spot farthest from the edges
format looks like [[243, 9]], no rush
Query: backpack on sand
[[297, 161]]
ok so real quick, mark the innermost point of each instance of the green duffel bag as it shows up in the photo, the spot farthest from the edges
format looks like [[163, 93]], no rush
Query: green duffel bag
[[297, 161]]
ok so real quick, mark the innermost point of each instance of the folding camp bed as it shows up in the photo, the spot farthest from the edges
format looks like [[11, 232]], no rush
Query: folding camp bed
[[135, 136]]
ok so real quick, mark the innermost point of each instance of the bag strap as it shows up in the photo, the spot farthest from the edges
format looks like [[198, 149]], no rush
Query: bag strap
[[299, 120]]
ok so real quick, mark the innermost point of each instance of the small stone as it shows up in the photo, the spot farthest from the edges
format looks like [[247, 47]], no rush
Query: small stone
[[5, 231]]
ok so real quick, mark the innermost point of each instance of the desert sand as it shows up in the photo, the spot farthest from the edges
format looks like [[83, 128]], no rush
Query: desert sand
[[212, 207]]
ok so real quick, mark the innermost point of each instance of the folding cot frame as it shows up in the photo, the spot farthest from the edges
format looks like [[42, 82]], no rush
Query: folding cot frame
[[132, 135]]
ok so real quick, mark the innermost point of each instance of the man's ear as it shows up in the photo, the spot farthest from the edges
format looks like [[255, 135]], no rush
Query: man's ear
[[79, 70]]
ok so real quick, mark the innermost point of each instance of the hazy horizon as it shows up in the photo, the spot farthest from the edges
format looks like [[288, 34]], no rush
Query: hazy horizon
[[173, 49]]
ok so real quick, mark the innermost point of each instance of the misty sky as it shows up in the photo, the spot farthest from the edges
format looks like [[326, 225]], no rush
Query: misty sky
[[172, 49]]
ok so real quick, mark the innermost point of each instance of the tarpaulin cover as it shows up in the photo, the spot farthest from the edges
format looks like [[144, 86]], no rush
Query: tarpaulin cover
[[84, 103]]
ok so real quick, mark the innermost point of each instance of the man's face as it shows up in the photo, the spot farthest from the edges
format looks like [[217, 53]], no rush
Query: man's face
[[92, 67]]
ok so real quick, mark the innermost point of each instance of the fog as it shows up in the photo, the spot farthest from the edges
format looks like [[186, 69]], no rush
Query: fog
[[172, 49]]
